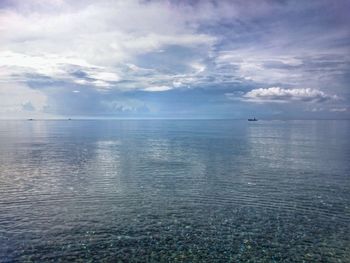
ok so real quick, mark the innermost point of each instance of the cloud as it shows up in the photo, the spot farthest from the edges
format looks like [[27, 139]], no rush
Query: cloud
[[17, 100], [98, 38], [339, 109], [81, 52], [157, 88], [28, 106], [125, 106], [277, 94]]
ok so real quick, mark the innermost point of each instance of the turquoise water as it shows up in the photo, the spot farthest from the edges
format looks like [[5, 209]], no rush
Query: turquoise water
[[175, 191]]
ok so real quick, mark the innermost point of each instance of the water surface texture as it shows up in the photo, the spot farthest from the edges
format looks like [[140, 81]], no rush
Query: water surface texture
[[174, 191]]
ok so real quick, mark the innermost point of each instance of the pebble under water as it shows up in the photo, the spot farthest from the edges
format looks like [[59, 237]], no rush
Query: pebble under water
[[174, 191]]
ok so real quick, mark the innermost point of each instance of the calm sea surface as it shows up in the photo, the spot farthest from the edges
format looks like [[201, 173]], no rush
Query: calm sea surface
[[175, 191]]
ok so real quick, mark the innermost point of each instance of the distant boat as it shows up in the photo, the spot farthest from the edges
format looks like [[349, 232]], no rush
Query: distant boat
[[30, 119], [253, 119]]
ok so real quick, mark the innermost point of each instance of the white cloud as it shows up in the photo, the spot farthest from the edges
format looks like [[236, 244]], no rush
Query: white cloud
[[125, 105], [157, 88], [161, 45], [100, 33], [107, 76], [344, 109], [198, 67], [50, 38], [177, 84], [17, 100], [48, 65], [277, 94], [251, 65]]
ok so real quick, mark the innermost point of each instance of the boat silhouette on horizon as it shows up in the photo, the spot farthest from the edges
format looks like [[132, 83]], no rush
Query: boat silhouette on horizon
[[253, 119]]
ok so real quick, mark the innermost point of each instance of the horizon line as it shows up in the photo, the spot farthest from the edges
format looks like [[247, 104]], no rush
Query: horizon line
[[102, 118]]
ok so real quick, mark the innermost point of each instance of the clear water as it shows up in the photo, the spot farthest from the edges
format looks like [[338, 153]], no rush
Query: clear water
[[175, 191]]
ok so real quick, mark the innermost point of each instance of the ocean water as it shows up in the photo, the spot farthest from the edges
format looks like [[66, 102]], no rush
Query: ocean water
[[174, 191]]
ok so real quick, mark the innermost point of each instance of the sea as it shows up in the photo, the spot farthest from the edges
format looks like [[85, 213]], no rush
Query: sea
[[174, 191]]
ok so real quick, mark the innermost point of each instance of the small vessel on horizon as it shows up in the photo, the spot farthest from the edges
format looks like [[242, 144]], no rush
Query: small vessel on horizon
[[253, 119]]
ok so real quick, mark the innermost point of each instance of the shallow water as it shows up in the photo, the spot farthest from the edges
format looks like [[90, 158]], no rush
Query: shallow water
[[175, 191]]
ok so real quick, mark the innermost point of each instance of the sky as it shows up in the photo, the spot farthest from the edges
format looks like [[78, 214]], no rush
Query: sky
[[270, 59]]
